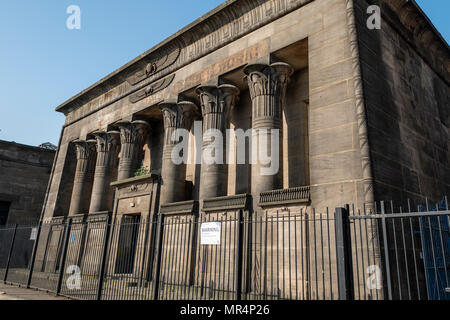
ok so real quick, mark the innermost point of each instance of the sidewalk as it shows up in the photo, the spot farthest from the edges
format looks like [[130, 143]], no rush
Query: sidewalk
[[10, 292]]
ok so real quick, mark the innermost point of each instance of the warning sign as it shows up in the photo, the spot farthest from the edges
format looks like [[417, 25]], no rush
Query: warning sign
[[210, 233]]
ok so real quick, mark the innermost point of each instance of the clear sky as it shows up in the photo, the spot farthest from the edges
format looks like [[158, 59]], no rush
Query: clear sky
[[43, 63]]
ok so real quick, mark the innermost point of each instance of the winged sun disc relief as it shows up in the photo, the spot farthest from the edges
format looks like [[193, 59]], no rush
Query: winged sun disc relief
[[155, 66], [152, 89], [151, 69]]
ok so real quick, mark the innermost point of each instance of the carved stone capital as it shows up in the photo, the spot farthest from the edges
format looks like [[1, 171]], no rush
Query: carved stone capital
[[108, 145], [107, 141], [267, 85], [84, 149], [186, 113], [216, 104], [132, 137], [179, 115], [176, 115], [133, 132]]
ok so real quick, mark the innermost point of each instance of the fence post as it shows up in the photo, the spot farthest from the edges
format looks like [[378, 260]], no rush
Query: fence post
[[386, 251], [239, 256], [101, 272], [64, 254], [344, 254], [158, 257], [33, 255], [10, 253]]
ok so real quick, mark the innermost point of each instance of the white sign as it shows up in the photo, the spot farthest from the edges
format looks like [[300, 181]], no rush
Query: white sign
[[33, 235], [210, 233]]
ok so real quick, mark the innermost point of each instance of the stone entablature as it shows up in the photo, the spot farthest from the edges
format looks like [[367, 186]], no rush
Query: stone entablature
[[227, 203], [221, 26], [216, 29], [285, 196]]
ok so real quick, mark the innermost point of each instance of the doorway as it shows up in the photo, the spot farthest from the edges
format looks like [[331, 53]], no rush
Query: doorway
[[126, 251]]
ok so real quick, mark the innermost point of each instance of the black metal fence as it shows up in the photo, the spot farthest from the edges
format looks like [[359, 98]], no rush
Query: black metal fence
[[294, 255], [405, 252]]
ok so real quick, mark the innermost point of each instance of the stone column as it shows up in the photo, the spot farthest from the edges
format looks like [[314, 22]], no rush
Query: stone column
[[216, 104], [132, 138], [82, 185], [267, 85], [108, 144], [176, 116]]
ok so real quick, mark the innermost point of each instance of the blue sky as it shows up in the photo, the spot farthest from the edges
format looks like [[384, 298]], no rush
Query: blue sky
[[42, 63]]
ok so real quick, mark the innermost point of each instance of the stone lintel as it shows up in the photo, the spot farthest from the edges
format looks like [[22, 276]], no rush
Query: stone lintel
[[139, 179], [226, 203]]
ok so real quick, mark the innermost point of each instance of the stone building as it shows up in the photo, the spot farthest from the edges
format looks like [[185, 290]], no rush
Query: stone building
[[24, 174], [362, 114]]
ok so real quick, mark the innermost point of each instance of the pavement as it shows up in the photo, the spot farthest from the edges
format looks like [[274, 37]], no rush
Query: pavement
[[11, 292]]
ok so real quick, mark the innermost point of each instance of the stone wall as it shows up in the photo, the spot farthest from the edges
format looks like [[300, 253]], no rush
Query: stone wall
[[24, 174], [407, 105]]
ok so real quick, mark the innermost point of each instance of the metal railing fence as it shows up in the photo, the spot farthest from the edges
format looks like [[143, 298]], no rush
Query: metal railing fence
[[285, 254]]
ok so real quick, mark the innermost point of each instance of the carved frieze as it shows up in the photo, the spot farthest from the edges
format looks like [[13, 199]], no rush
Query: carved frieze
[[152, 89], [155, 66]]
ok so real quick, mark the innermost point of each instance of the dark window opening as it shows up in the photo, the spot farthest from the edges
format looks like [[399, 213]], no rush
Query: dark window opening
[[126, 251], [4, 212]]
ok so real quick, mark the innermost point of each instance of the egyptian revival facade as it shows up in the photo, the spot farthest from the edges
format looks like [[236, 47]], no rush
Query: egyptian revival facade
[[363, 116]]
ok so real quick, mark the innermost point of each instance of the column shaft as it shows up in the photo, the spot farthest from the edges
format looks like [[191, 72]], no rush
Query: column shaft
[[176, 116], [216, 104], [107, 149], [267, 84], [82, 185]]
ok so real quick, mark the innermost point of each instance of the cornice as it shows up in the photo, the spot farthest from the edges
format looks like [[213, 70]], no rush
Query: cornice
[[176, 208], [228, 22], [227, 203]]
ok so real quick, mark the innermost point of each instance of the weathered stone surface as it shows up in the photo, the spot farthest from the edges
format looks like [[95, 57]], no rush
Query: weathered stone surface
[[24, 175], [326, 137]]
